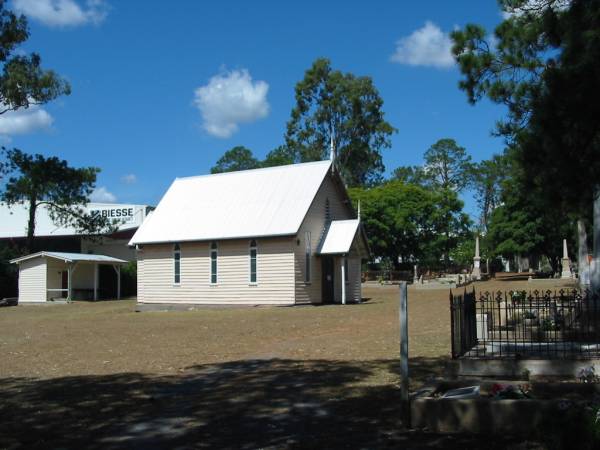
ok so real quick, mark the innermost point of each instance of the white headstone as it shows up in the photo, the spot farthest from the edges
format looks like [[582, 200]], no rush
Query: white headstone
[[476, 274], [566, 264]]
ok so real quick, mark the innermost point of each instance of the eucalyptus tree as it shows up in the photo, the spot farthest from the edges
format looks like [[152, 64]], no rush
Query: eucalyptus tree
[[237, 158], [487, 181], [345, 110]]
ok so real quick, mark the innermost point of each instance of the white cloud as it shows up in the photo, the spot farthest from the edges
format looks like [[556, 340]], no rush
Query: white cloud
[[230, 99], [427, 46], [129, 178], [102, 195], [23, 121], [63, 13]]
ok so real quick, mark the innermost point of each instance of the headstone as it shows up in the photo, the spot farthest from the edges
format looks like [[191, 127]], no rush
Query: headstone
[[530, 274], [476, 274], [566, 264], [416, 276], [583, 263], [482, 326]]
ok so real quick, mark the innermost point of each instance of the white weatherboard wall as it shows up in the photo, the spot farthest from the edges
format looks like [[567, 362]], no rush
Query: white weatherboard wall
[[315, 223], [353, 288], [32, 280], [275, 269]]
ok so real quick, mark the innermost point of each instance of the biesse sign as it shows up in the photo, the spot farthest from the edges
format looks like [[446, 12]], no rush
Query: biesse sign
[[120, 215]]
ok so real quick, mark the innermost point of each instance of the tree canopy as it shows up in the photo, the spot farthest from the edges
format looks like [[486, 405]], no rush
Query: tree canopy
[[279, 156], [447, 166], [544, 65], [238, 158], [23, 82], [409, 174], [343, 108], [520, 224], [487, 179], [36, 180], [408, 221]]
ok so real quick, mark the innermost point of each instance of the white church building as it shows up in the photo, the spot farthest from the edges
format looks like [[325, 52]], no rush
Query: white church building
[[282, 235]]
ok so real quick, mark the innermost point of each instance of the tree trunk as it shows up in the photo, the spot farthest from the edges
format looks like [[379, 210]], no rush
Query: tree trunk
[[448, 218], [31, 225]]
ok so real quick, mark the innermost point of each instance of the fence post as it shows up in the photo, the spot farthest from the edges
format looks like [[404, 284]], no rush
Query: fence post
[[405, 399], [452, 325]]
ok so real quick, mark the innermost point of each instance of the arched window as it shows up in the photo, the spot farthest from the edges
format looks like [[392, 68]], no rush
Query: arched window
[[253, 269], [213, 262], [346, 279], [176, 264]]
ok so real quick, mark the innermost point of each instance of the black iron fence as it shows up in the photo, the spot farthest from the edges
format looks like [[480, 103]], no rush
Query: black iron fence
[[563, 324], [463, 322]]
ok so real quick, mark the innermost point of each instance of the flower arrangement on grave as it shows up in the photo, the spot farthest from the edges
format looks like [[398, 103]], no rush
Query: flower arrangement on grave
[[588, 375], [510, 391]]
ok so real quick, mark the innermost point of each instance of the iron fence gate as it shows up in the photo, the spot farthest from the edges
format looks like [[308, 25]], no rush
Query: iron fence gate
[[563, 324]]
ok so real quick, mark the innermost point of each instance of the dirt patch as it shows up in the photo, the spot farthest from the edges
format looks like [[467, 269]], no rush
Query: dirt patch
[[101, 375]]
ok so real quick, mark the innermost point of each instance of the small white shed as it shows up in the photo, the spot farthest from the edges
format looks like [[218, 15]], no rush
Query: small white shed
[[48, 276]]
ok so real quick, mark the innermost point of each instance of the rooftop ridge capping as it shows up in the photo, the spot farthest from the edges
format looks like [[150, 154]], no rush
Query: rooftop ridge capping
[[345, 220], [323, 162]]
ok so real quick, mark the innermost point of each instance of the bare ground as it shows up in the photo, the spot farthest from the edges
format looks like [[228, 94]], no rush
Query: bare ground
[[99, 375]]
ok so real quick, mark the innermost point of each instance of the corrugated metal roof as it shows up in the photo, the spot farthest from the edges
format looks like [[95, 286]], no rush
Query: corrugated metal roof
[[71, 257], [339, 237], [250, 203]]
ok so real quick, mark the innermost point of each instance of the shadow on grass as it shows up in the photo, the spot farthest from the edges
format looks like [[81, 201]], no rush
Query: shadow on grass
[[243, 404]]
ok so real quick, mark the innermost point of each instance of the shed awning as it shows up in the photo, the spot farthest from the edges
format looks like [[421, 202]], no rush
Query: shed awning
[[339, 237], [71, 257]]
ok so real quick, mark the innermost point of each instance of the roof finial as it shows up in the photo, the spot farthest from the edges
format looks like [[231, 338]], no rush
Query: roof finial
[[332, 152], [358, 210]]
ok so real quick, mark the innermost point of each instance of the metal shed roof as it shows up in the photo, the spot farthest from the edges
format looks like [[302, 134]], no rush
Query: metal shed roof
[[250, 203], [71, 257], [339, 237]]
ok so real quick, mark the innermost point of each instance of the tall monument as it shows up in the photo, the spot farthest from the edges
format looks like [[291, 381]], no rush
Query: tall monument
[[595, 266], [476, 274], [566, 264], [583, 265]]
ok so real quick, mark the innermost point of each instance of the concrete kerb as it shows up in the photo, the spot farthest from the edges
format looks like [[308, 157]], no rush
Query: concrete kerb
[[507, 369], [491, 415]]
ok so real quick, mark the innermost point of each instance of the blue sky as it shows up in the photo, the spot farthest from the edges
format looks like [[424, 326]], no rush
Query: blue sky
[[163, 89]]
